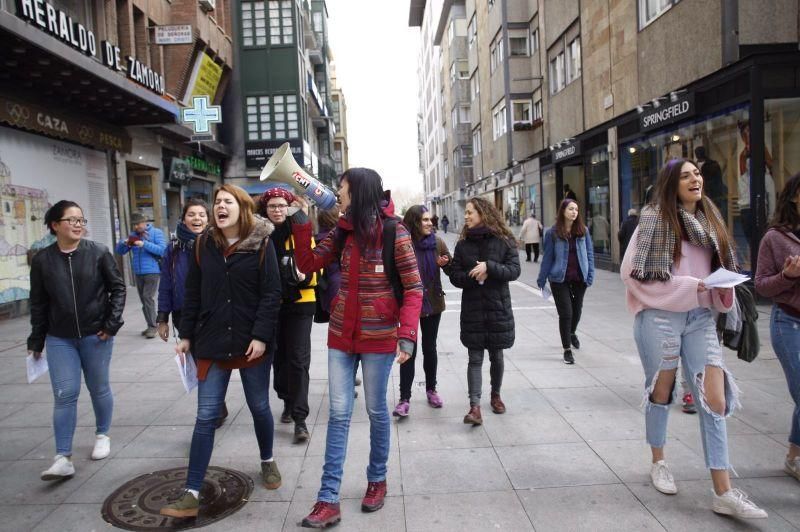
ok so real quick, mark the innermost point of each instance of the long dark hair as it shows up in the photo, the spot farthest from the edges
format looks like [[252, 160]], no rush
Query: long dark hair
[[578, 227], [665, 194], [56, 212], [492, 218], [366, 194], [786, 216], [413, 221]]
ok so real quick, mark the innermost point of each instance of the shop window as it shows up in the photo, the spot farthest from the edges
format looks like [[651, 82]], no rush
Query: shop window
[[649, 10], [281, 27], [598, 206], [518, 43], [254, 24]]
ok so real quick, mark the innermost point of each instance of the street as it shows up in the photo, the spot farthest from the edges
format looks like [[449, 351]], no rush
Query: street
[[569, 454]]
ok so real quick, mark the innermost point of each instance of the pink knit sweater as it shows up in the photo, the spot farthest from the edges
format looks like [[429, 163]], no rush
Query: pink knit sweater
[[679, 294]]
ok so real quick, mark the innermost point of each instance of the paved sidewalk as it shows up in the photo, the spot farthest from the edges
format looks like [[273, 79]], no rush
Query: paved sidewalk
[[569, 454]]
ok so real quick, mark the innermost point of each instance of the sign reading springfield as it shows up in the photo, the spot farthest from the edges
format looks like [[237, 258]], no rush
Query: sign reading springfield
[[61, 26]]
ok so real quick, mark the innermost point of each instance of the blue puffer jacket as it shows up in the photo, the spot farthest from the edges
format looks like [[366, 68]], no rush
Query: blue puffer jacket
[[555, 254], [145, 258]]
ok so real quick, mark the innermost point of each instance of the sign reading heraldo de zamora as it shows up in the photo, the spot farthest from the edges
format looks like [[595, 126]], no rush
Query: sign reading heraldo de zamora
[[61, 26]]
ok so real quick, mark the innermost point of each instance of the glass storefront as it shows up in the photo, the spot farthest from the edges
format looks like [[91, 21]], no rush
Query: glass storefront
[[782, 136], [598, 206], [722, 143], [549, 196]]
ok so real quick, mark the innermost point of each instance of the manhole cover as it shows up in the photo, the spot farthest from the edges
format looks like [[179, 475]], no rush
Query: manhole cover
[[135, 505]]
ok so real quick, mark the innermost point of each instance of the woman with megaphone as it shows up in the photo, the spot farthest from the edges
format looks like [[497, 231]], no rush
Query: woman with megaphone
[[373, 321]]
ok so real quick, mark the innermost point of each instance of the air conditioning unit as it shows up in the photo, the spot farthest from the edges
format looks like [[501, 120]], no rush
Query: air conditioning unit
[[208, 5]]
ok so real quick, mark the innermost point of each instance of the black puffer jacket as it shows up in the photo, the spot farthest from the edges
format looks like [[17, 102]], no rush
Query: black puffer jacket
[[487, 321], [229, 301], [74, 294]]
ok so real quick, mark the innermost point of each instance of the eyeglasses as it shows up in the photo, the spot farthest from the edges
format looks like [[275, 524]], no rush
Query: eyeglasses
[[277, 207], [72, 220]]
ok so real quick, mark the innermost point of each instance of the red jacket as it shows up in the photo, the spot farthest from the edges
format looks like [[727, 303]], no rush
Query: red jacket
[[365, 317]]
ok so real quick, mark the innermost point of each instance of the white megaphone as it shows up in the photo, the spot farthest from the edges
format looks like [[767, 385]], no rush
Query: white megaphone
[[283, 168]]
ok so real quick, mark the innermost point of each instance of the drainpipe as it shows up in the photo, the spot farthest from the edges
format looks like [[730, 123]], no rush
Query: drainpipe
[[507, 85], [730, 31]]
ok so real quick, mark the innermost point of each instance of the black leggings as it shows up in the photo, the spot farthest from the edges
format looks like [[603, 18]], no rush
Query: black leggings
[[569, 304], [429, 330], [475, 378]]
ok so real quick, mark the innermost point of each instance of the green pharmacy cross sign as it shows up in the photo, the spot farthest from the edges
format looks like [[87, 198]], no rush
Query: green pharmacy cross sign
[[201, 114]]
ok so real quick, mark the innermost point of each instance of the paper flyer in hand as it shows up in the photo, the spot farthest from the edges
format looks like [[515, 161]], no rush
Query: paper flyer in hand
[[187, 370], [36, 367], [546, 293], [723, 278]]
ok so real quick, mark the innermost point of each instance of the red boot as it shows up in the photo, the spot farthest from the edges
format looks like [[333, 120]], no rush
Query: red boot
[[323, 514], [373, 499]]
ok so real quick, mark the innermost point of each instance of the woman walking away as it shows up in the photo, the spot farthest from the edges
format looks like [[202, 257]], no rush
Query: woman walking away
[[484, 262], [568, 263], [680, 240], [778, 277], [175, 267], [530, 234], [432, 254], [228, 321], [77, 297], [368, 324]]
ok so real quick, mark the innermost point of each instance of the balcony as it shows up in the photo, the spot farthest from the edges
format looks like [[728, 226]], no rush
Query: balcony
[[318, 111]]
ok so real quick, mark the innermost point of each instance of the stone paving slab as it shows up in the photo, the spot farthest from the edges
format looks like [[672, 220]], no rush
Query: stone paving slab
[[569, 454]]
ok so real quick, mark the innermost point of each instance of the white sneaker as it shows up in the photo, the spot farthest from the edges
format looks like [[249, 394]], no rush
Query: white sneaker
[[792, 467], [62, 468], [735, 502], [662, 478], [102, 447]]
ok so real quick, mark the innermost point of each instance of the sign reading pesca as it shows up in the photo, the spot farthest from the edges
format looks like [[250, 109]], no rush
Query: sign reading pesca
[[181, 34], [656, 117]]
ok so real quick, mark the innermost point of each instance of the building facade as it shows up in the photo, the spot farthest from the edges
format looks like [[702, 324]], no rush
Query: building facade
[[90, 97], [282, 90], [597, 96]]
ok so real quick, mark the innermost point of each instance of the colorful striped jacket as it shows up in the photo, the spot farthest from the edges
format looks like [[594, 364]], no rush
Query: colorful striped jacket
[[365, 317]]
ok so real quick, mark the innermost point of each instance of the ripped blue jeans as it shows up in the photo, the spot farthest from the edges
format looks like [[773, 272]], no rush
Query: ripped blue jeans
[[665, 338]]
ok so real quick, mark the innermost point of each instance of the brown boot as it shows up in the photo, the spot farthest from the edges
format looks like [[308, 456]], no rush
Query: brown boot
[[498, 407], [473, 417]]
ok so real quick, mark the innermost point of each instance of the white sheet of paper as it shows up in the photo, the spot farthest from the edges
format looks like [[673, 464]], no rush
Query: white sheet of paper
[[187, 370], [546, 293], [36, 368], [723, 278]]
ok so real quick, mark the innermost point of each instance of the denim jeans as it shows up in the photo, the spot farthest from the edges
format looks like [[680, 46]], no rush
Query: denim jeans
[[66, 357], [210, 397], [785, 332], [429, 332], [375, 370], [666, 338]]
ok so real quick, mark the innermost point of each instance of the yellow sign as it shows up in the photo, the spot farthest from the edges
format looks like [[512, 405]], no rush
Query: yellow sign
[[205, 78]]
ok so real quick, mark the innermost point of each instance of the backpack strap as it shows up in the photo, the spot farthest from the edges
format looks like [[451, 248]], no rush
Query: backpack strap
[[387, 254]]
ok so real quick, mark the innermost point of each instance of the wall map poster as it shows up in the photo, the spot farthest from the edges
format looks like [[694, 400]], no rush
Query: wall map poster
[[52, 170]]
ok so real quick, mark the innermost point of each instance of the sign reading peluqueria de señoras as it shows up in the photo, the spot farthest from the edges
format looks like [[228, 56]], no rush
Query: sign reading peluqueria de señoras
[[61, 26]]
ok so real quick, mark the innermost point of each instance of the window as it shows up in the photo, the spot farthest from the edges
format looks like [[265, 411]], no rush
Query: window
[[254, 24], [317, 18], [491, 4], [535, 38], [472, 31], [537, 110], [462, 69], [474, 87], [281, 29], [522, 111], [499, 121], [574, 60], [283, 111], [476, 141], [462, 156], [518, 43], [649, 10], [451, 31], [557, 73], [452, 73], [497, 54], [463, 114], [446, 172]]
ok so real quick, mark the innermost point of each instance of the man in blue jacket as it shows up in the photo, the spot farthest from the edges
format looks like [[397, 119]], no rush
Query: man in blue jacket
[[147, 245]]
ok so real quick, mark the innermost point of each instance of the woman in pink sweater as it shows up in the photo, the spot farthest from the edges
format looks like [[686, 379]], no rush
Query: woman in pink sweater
[[680, 239], [778, 277]]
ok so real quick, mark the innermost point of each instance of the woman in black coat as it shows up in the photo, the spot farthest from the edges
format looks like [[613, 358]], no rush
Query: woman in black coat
[[229, 317], [484, 262]]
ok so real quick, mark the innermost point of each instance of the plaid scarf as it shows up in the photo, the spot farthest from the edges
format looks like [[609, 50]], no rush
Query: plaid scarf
[[656, 242]]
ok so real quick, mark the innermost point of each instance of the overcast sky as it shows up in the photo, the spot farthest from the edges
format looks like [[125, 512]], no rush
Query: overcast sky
[[376, 68]]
